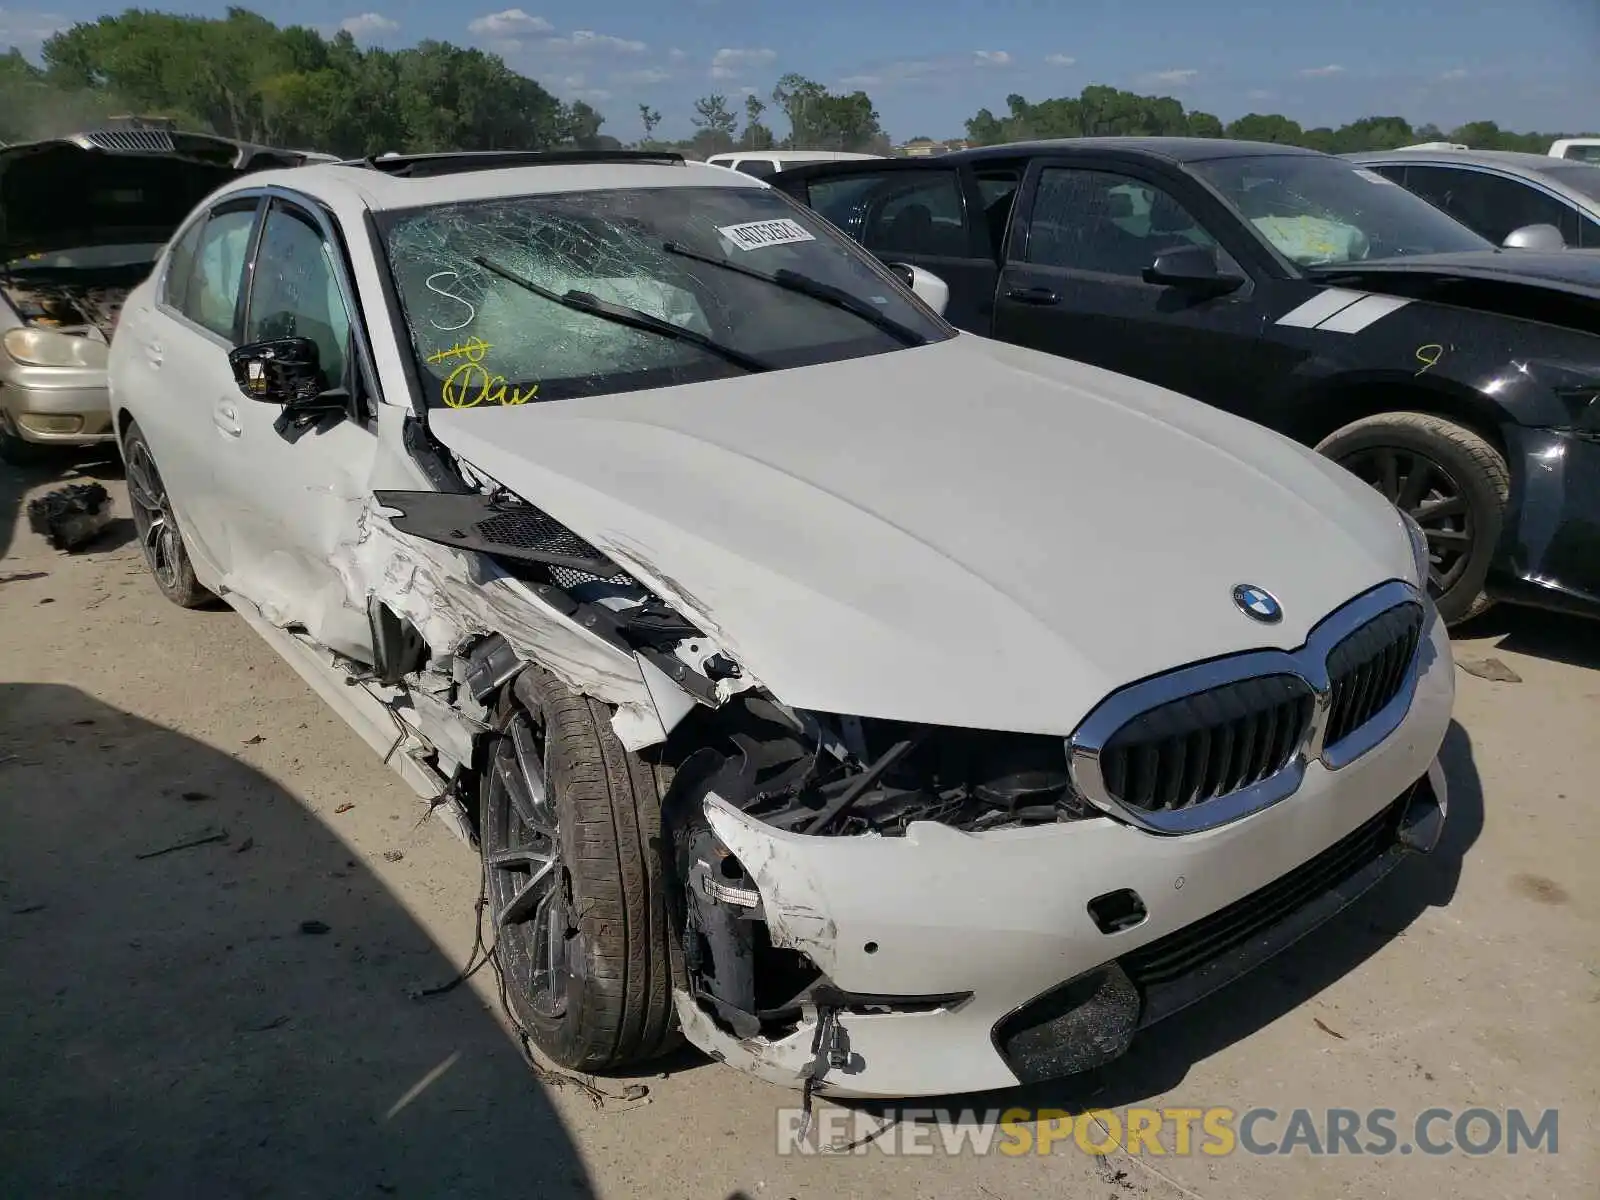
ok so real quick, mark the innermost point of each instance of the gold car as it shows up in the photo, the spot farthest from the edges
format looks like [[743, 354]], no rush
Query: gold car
[[82, 220]]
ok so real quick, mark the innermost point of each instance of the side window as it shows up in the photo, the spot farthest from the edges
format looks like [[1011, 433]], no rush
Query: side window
[[761, 168], [295, 292], [212, 296], [897, 212], [1492, 204], [1107, 223], [918, 212], [1589, 234], [180, 265]]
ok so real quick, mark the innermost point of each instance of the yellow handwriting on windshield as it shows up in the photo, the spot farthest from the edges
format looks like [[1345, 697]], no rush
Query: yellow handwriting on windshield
[[470, 383]]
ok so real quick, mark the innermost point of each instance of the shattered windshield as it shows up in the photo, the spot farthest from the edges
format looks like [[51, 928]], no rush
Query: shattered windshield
[[1320, 211], [553, 296]]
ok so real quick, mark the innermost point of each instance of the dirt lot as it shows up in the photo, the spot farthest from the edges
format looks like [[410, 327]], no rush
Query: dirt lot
[[167, 1027]]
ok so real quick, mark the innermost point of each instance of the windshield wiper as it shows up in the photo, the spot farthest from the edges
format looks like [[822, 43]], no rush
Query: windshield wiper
[[791, 281], [588, 302]]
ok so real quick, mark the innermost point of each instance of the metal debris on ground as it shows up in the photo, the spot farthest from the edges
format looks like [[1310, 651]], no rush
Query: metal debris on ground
[[1317, 1021], [204, 840], [1489, 668], [345, 807], [72, 516], [314, 927]]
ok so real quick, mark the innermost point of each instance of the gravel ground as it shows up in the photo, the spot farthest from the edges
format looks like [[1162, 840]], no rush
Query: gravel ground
[[237, 1017]]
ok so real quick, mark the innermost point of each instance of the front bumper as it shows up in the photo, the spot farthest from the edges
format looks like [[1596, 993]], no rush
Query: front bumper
[[993, 924], [1549, 553], [63, 406]]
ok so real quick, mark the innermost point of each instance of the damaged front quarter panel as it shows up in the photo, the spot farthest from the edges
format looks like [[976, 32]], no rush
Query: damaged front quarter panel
[[461, 566]]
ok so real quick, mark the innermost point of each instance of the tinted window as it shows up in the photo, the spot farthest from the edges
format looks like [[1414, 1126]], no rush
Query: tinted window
[[212, 296], [759, 167], [1321, 211], [1492, 205], [898, 212], [1104, 222], [295, 291], [480, 337]]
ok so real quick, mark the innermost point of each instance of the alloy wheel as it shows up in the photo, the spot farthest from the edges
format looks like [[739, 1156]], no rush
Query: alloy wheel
[[1434, 498], [529, 889], [152, 517]]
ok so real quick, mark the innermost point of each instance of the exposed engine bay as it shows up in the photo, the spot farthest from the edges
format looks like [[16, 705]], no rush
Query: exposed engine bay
[[87, 302], [797, 771]]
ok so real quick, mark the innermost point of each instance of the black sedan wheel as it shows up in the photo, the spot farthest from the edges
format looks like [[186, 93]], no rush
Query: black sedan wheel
[[157, 527], [1453, 483], [570, 830]]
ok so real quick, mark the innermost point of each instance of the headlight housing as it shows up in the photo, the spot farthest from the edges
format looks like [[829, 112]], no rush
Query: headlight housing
[[1421, 557], [50, 348]]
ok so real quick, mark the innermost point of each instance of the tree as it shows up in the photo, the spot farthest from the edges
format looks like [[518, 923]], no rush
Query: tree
[[649, 118], [756, 135], [242, 76], [1100, 111], [820, 120], [715, 123]]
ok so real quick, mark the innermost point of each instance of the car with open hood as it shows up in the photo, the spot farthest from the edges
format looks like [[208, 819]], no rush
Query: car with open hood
[[1300, 290], [82, 219], [884, 709]]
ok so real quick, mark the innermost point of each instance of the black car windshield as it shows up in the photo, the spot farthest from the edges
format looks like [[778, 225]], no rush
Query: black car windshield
[[1319, 211], [518, 299]]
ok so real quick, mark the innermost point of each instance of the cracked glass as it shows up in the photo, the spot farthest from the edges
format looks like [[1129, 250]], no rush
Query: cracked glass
[[481, 338]]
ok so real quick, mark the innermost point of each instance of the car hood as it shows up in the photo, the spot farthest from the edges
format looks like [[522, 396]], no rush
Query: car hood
[[1575, 272], [966, 533], [113, 187]]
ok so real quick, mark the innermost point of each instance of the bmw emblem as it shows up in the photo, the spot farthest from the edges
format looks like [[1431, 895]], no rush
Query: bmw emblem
[[1258, 604]]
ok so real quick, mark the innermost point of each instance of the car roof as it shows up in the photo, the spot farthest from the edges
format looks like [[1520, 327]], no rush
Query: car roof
[[380, 184], [1174, 149], [1511, 159]]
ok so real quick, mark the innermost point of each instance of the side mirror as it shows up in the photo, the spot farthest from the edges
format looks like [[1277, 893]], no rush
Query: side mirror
[[1535, 237], [1193, 269], [930, 289], [287, 371]]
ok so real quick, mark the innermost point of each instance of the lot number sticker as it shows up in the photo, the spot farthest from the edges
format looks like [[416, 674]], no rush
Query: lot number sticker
[[753, 235]]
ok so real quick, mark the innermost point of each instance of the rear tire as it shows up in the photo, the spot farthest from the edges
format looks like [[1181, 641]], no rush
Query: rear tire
[[589, 954], [159, 536], [1454, 484]]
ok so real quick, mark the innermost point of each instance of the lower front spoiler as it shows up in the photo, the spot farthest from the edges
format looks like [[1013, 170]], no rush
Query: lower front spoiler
[[1093, 1018]]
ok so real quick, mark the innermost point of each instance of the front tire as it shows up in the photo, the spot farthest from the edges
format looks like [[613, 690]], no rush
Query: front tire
[[570, 831], [153, 519], [1453, 482]]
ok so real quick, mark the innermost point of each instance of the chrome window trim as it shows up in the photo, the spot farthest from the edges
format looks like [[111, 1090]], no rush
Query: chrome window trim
[[1309, 663]]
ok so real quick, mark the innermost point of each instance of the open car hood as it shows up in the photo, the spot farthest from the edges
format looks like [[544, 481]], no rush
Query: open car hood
[[966, 533], [114, 187]]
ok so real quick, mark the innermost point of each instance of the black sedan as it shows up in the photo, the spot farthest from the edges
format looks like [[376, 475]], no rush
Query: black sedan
[[1297, 290]]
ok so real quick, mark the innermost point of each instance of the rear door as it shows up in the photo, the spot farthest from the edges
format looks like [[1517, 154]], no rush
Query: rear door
[[1085, 229], [929, 215], [178, 363]]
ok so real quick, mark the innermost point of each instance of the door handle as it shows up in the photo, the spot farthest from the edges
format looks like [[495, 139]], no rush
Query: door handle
[[225, 416], [1033, 295]]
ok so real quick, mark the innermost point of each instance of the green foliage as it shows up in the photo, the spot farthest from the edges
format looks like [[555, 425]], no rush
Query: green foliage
[[244, 77], [1101, 111]]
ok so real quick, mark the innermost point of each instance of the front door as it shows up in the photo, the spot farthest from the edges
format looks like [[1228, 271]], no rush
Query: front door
[[1073, 282], [293, 497]]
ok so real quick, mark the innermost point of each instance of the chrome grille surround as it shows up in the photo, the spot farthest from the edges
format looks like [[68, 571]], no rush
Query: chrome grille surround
[[1390, 603]]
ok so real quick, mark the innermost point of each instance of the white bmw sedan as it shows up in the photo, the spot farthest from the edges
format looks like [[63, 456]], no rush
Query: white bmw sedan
[[885, 710]]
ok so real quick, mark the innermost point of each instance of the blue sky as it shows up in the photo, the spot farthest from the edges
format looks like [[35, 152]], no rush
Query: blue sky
[[928, 65]]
